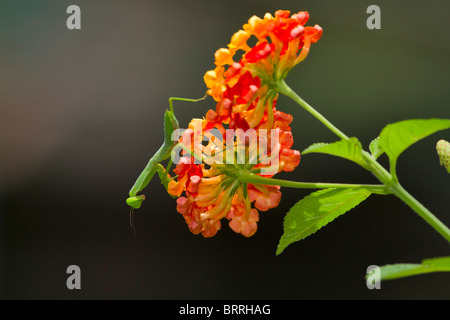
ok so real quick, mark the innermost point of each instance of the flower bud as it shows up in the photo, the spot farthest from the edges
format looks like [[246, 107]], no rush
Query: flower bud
[[443, 150]]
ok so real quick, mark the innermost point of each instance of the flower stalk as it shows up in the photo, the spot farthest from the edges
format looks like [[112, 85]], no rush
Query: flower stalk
[[390, 181], [254, 178]]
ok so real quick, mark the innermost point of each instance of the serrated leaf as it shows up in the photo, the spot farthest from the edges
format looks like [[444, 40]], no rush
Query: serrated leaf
[[375, 148], [349, 149], [401, 270], [397, 137], [317, 210]]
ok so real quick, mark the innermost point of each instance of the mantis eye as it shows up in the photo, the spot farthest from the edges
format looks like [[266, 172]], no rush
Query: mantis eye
[[135, 202]]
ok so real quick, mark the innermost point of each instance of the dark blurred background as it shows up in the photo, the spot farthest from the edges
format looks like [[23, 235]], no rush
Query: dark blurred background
[[81, 112]]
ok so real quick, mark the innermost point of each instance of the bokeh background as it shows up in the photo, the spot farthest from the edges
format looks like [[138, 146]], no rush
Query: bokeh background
[[81, 112]]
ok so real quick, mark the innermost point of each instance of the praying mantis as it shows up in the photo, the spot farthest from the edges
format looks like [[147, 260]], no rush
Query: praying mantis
[[154, 166]]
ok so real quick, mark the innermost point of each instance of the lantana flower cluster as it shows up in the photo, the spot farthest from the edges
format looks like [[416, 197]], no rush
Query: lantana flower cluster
[[246, 88], [243, 84]]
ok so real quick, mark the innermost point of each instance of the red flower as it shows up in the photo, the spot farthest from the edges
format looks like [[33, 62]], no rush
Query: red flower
[[249, 82]]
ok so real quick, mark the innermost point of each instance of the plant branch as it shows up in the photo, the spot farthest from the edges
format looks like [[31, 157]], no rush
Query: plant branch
[[257, 179], [283, 88], [390, 181], [423, 212]]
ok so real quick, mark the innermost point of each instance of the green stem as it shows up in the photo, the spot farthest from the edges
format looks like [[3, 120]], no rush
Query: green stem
[[390, 181], [377, 169], [382, 174], [283, 88], [393, 168], [257, 179], [423, 212]]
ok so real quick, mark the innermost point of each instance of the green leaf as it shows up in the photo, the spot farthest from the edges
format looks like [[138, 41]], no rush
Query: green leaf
[[375, 148], [401, 270], [349, 149], [397, 137], [317, 210]]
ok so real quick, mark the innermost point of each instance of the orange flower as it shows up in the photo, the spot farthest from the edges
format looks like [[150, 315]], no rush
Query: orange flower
[[247, 86], [212, 189], [208, 182]]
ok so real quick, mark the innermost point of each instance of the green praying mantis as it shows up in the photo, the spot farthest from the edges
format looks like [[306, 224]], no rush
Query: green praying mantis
[[154, 166]]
